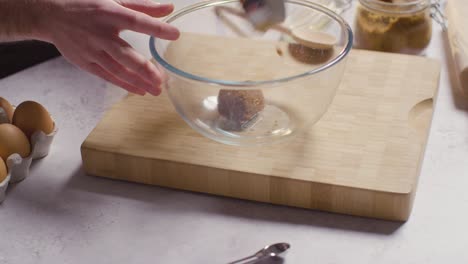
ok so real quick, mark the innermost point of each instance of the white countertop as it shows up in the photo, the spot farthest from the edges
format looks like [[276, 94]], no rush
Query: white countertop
[[60, 215]]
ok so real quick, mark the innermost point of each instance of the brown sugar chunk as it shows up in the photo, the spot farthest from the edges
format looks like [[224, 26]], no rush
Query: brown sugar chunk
[[240, 106], [309, 55]]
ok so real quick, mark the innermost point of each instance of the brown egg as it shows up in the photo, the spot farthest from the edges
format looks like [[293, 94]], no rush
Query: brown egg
[[13, 140], [7, 107], [30, 117], [3, 171]]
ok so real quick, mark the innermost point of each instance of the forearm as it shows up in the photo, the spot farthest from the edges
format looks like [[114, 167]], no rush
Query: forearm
[[86, 32], [21, 19]]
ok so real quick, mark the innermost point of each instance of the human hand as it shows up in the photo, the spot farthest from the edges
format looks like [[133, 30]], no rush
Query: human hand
[[86, 32]]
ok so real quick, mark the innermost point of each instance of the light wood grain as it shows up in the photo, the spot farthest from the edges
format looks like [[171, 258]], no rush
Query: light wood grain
[[362, 158]]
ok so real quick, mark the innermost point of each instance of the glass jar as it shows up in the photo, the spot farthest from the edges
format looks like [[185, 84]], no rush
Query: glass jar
[[400, 26]]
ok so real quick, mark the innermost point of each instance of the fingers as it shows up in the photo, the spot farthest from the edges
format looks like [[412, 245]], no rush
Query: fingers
[[143, 23], [162, 72], [148, 7], [118, 68], [127, 56], [101, 72]]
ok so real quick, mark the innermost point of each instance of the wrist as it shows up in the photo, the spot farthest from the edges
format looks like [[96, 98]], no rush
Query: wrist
[[41, 15], [24, 19]]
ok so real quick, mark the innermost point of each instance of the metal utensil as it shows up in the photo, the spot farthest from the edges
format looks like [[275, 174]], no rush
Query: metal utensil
[[264, 13], [273, 250], [269, 14]]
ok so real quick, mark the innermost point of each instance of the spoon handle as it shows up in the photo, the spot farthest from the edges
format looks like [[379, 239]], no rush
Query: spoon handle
[[282, 28], [246, 259]]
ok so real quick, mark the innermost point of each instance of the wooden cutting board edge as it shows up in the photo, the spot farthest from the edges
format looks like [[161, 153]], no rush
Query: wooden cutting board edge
[[386, 205]]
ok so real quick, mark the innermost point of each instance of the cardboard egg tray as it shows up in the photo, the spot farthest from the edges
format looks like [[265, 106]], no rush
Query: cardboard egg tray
[[18, 167]]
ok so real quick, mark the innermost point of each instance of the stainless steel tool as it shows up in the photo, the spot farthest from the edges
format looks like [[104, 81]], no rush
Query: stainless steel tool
[[274, 250]]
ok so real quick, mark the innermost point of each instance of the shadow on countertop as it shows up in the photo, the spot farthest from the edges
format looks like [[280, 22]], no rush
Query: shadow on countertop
[[165, 199], [275, 260], [17, 56]]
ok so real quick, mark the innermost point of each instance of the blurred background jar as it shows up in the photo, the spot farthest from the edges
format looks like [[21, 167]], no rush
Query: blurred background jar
[[399, 26]]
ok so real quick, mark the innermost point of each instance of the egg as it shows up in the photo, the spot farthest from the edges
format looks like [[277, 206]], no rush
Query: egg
[[31, 116], [8, 109], [3, 171], [13, 140]]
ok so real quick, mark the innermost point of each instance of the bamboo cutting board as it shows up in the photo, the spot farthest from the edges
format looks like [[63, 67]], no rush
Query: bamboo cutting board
[[362, 158]]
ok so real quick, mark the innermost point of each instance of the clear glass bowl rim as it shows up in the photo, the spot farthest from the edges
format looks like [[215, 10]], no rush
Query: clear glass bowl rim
[[191, 8]]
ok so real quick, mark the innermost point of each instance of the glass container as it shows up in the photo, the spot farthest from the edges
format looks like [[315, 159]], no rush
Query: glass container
[[239, 86], [400, 26]]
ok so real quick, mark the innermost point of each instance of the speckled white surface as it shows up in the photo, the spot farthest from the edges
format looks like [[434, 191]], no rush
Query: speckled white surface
[[59, 215]]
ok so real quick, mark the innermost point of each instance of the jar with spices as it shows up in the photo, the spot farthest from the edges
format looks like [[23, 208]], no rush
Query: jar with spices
[[400, 26]]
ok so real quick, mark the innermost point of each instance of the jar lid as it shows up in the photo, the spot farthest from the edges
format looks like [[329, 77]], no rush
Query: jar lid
[[408, 7], [397, 6]]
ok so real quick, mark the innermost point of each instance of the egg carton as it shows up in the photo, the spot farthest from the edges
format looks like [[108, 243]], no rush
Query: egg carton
[[18, 167]]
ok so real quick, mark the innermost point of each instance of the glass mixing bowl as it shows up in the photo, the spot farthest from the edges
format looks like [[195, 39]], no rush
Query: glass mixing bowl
[[241, 86]]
